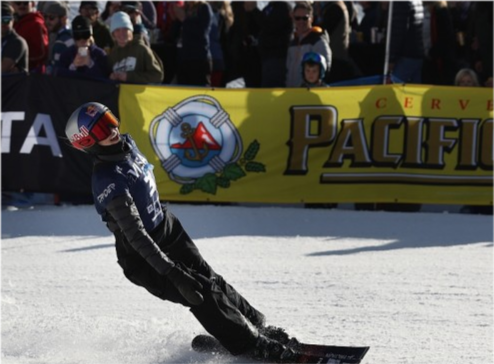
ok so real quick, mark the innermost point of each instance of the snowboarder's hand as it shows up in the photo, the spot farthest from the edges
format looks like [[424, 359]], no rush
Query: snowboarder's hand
[[187, 285]]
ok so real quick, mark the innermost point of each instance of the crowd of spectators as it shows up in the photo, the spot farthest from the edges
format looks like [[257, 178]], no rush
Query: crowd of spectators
[[262, 44], [212, 43]]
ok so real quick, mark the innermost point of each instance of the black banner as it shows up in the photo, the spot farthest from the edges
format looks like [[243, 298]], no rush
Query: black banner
[[36, 156]]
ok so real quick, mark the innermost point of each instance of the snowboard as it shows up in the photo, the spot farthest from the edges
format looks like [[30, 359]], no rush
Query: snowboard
[[307, 353]]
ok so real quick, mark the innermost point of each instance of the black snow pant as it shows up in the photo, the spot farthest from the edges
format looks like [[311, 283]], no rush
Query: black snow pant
[[225, 313]]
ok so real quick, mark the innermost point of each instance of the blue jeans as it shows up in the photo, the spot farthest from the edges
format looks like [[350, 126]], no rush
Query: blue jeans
[[409, 70]]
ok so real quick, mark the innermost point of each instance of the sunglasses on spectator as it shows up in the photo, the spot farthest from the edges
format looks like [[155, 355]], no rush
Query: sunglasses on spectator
[[304, 18], [6, 19], [51, 17], [81, 35]]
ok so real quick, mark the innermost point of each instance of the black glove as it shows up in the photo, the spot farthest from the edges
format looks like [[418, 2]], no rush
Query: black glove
[[187, 285]]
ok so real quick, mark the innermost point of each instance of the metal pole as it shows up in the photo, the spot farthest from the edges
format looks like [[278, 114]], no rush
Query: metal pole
[[388, 41]]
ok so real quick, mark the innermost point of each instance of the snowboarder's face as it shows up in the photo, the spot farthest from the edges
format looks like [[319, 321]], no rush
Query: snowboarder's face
[[114, 138]]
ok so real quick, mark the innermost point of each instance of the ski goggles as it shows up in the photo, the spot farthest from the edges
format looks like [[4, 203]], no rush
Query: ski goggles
[[101, 129], [312, 57]]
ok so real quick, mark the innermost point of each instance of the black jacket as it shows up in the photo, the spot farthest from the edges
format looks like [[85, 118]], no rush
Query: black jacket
[[406, 30]]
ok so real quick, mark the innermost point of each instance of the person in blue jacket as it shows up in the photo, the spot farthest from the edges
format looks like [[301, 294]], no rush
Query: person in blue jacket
[[153, 248]]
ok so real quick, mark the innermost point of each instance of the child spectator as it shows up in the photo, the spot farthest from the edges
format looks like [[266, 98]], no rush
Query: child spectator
[[313, 69]]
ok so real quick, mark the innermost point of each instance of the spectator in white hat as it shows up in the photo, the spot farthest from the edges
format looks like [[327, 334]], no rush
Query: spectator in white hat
[[130, 59]]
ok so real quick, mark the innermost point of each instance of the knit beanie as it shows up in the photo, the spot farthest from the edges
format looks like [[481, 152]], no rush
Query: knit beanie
[[121, 20]]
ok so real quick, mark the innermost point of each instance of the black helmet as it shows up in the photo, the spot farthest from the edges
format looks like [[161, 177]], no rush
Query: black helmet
[[89, 124]]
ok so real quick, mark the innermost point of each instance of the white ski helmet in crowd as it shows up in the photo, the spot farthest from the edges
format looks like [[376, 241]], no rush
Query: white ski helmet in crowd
[[89, 124], [315, 58]]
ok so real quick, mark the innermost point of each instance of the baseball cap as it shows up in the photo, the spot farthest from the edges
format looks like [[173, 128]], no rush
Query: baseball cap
[[57, 9], [81, 27], [129, 5], [90, 4]]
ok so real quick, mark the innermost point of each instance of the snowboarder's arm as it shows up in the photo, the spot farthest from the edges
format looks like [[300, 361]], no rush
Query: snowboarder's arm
[[125, 213]]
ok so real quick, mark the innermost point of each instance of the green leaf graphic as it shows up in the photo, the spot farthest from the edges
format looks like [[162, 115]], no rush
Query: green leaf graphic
[[187, 188], [223, 182], [233, 172], [252, 150], [207, 183], [210, 182], [255, 167]]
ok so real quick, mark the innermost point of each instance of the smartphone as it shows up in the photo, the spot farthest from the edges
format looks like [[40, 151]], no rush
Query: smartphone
[[82, 51]]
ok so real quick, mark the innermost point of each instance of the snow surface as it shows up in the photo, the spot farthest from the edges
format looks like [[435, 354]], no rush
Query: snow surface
[[417, 288]]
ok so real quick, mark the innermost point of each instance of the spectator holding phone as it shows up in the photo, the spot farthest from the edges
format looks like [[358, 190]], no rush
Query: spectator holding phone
[[84, 58], [101, 32]]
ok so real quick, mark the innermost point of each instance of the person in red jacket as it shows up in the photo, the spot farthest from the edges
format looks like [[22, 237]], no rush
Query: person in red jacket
[[30, 25]]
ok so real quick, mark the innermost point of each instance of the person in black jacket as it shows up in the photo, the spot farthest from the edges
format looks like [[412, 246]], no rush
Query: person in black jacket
[[274, 38], [406, 53], [440, 61], [153, 248]]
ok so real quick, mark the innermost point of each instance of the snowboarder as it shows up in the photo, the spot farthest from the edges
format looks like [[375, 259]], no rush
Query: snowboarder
[[153, 248]]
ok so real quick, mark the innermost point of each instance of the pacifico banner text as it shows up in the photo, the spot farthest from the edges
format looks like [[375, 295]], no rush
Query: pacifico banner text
[[390, 143]]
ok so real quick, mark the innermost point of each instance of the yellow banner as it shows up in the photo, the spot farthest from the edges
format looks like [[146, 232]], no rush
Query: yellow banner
[[390, 143]]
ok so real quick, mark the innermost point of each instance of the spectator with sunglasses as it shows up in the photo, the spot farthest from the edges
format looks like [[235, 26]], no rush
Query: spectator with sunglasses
[[56, 23], [14, 47], [30, 25], [307, 38], [84, 58]]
